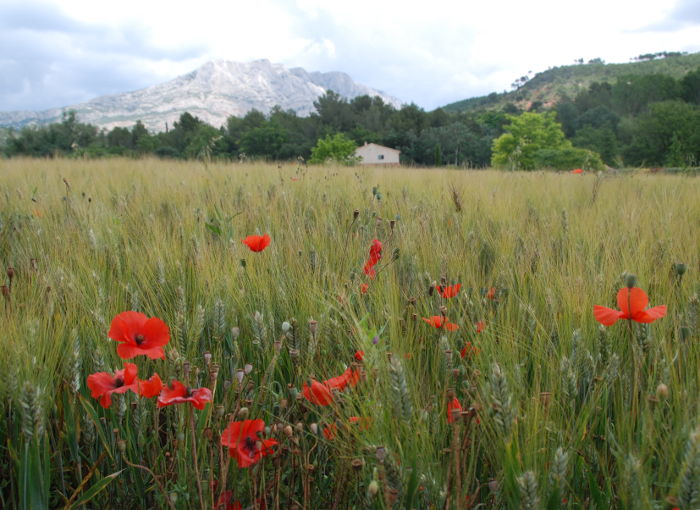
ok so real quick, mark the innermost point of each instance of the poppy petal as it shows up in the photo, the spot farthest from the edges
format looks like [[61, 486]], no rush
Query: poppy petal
[[451, 327], [606, 316], [151, 387], [156, 333], [631, 301], [657, 312]]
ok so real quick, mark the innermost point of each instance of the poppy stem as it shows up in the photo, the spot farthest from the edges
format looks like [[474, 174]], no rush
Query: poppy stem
[[194, 457], [155, 478]]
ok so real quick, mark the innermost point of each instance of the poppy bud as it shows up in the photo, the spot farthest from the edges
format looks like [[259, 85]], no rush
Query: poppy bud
[[235, 332], [248, 368], [380, 453], [186, 369], [443, 310], [220, 411], [630, 280], [314, 428], [33, 264], [180, 436], [121, 444], [207, 357], [243, 413], [5, 292], [392, 223], [357, 464], [373, 488], [431, 289], [662, 391], [313, 326], [11, 273], [299, 426], [355, 214], [678, 267], [286, 326], [288, 431]]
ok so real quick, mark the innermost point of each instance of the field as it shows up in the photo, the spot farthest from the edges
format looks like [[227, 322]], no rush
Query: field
[[557, 410]]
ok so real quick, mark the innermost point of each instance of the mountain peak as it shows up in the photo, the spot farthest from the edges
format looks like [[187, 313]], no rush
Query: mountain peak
[[213, 92]]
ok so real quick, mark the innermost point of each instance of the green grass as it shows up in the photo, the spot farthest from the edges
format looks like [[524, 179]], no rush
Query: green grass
[[563, 409]]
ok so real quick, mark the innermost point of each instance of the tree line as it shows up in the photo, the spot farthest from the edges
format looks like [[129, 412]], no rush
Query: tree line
[[650, 120]]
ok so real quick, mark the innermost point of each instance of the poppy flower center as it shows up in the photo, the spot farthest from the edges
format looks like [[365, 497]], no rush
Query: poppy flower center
[[139, 339], [118, 382], [250, 446]]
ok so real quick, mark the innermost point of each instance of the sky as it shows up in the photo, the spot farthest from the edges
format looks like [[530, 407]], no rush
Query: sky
[[59, 53]]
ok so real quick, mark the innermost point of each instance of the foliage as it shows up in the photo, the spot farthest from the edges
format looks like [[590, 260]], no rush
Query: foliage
[[336, 148], [527, 134]]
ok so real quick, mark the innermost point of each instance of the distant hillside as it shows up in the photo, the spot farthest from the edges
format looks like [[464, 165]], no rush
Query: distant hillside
[[550, 86]]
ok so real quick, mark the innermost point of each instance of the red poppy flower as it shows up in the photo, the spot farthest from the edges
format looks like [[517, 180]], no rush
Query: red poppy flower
[[243, 442], [137, 334], [363, 422], [178, 393], [632, 303], [318, 393], [450, 291], [375, 255], [577, 171], [257, 243], [491, 294], [469, 350], [102, 384], [359, 355], [480, 326], [329, 431], [439, 322], [224, 502], [452, 405], [364, 288]]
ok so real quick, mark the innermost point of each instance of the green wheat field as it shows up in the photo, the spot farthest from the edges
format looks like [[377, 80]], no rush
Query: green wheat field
[[556, 411]]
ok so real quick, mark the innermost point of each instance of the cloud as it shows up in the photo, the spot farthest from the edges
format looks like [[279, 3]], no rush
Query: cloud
[[61, 53]]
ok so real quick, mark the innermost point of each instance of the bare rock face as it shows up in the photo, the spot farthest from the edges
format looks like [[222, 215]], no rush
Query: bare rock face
[[213, 92]]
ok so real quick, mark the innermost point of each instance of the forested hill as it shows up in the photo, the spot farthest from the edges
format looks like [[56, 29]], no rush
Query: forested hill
[[548, 88]]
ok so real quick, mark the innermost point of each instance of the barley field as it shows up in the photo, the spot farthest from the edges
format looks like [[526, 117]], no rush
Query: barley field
[[410, 338]]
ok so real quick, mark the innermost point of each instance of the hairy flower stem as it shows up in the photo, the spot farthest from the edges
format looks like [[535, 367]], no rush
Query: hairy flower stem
[[194, 455]]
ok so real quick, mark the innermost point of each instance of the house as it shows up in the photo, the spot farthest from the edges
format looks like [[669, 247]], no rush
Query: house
[[373, 154]]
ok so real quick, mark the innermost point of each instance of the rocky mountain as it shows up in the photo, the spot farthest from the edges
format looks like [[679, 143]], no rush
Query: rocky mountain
[[212, 92]]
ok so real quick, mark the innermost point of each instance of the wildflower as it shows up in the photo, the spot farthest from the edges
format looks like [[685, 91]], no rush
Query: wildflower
[[178, 393], [364, 288], [632, 303], [453, 405], [257, 243], [577, 171], [469, 350], [224, 502], [138, 334], [491, 294], [440, 322], [449, 291], [317, 393], [243, 442], [359, 355], [102, 384], [480, 326], [375, 255], [329, 431], [350, 376]]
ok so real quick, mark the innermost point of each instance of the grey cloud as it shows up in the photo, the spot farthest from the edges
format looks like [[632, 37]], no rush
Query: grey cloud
[[48, 60], [685, 13]]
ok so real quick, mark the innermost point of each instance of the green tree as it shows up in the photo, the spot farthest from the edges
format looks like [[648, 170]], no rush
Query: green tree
[[525, 135], [338, 148]]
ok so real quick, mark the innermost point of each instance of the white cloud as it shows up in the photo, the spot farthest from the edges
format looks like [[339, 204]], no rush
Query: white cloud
[[430, 53]]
